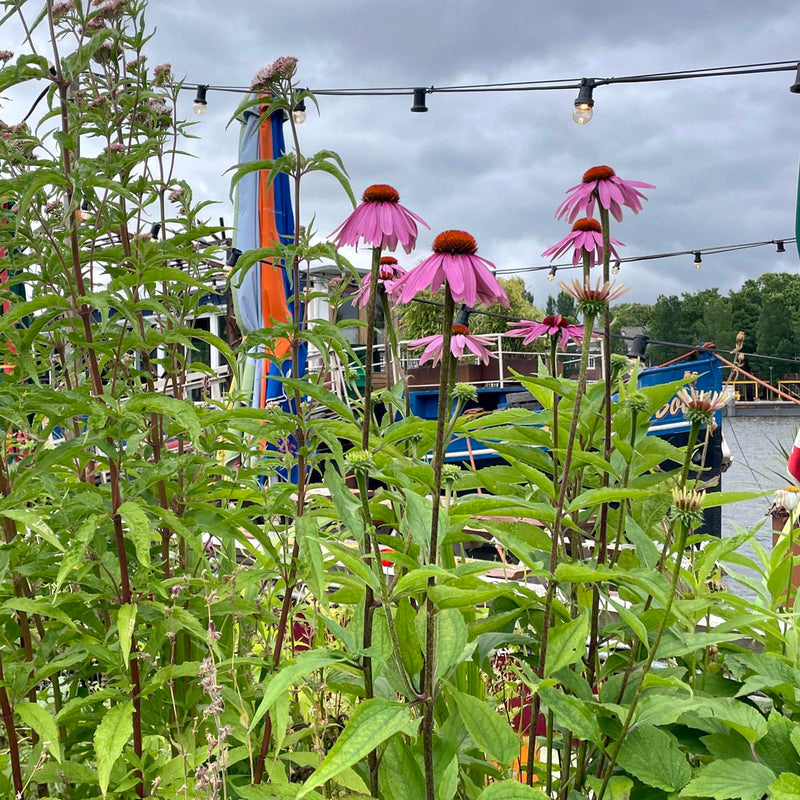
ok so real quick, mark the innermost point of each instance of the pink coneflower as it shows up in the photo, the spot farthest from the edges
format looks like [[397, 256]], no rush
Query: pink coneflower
[[380, 221], [593, 300], [555, 326], [461, 344], [469, 277], [602, 185], [282, 68], [586, 238], [388, 273]]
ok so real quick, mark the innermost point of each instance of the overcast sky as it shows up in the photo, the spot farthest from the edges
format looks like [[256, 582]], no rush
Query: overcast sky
[[722, 152]]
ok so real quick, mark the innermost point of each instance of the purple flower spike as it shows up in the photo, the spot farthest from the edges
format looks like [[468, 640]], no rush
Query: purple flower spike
[[469, 277], [586, 238], [601, 185], [380, 221]]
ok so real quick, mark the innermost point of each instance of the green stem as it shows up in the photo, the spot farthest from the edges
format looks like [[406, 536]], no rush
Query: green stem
[[551, 581], [368, 356], [676, 572], [433, 548], [391, 334]]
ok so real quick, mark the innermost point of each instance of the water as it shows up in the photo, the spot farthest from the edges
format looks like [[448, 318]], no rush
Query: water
[[758, 465]]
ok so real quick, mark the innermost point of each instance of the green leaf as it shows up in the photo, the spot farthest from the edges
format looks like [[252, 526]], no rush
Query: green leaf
[[182, 412], [34, 716], [34, 523], [305, 664], [726, 779], [407, 637], [311, 554], [511, 790], [619, 786], [346, 504], [371, 723], [786, 787], [397, 759], [652, 756], [451, 639], [126, 622], [566, 644], [139, 526], [110, 738], [488, 729], [572, 714]]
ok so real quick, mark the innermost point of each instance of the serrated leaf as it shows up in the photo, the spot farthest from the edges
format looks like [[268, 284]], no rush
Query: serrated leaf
[[488, 729], [110, 737], [397, 759], [786, 787], [572, 714], [372, 722], [34, 716], [730, 779], [35, 523], [311, 554], [138, 525], [652, 756], [566, 644], [126, 622]]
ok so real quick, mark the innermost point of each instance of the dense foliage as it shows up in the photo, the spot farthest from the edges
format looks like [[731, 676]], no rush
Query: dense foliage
[[209, 600]]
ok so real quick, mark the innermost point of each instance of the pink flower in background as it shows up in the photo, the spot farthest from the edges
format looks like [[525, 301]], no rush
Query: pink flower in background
[[380, 221], [6, 55], [593, 300], [461, 344], [601, 185], [388, 273], [586, 237], [282, 68], [469, 277], [555, 326]]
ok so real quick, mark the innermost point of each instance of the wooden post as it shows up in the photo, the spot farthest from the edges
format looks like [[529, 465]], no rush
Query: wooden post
[[779, 519]]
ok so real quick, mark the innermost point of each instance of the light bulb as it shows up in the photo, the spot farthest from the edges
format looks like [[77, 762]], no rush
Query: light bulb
[[551, 275], [615, 268], [200, 108], [582, 114], [299, 115], [698, 259]]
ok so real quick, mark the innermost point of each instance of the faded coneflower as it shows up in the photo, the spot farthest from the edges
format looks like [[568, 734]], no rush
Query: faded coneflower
[[586, 239], [593, 300], [699, 407], [388, 273], [786, 499], [281, 69], [555, 326], [601, 185], [469, 277], [380, 221], [687, 505]]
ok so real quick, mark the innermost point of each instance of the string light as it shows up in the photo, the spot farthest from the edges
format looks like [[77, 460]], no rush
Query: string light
[[585, 86], [552, 274], [615, 267], [419, 106], [727, 248], [299, 113], [584, 102], [781, 248], [698, 259], [200, 101]]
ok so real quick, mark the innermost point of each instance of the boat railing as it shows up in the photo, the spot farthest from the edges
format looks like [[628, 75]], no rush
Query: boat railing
[[753, 391]]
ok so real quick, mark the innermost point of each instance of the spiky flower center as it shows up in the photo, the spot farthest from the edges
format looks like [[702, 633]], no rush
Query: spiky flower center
[[463, 329], [380, 193], [388, 260], [455, 243], [555, 321], [601, 173], [586, 224]]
